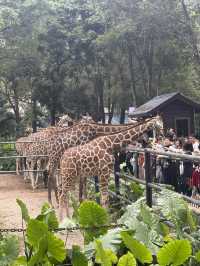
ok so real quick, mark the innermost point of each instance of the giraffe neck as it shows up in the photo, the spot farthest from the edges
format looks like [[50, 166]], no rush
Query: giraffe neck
[[127, 136], [103, 129]]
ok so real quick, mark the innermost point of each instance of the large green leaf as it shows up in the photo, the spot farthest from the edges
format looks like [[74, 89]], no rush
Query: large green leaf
[[49, 216], [78, 258], [127, 260], [56, 247], [24, 210], [104, 257], [35, 231], [39, 256], [175, 253], [140, 252], [92, 214], [197, 256], [21, 261]]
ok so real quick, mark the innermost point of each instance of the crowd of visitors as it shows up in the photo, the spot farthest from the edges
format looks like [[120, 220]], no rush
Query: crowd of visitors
[[183, 175]]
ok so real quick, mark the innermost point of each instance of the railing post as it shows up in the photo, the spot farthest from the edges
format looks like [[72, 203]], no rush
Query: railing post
[[117, 170], [148, 179], [96, 184], [136, 165]]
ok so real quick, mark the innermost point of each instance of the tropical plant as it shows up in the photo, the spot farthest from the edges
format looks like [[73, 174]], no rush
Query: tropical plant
[[9, 249], [42, 246], [145, 238]]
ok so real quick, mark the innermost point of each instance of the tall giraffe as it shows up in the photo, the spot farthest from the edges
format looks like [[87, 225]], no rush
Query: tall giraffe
[[78, 134], [96, 158]]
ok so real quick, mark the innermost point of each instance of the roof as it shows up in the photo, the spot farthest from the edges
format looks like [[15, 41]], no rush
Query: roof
[[158, 102]]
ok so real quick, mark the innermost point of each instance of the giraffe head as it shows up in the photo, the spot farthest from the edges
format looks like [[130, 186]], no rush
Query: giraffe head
[[86, 119], [28, 131], [155, 124], [65, 120]]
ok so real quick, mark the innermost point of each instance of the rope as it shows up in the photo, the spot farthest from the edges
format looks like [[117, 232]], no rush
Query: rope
[[71, 229]]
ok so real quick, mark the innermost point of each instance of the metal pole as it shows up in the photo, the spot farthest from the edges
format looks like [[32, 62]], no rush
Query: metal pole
[[136, 166], [96, 184], [116, 170], [148, 179]]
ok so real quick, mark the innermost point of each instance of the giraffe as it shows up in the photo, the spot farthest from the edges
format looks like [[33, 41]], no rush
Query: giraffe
[[20, 146], [28, 144], [65, 121], [96, 158], [37, 147], [78, 134]]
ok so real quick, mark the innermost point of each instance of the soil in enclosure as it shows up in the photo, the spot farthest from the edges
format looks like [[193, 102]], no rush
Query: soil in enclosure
[[13, 187]]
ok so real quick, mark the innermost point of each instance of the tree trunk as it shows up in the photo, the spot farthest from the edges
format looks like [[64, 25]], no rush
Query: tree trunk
[[111, 113], [150, 67], [17, 113], [193, 37], [122, 115], [53, 116], [34, 115], [132, 75], [101, 107], [100, 92]]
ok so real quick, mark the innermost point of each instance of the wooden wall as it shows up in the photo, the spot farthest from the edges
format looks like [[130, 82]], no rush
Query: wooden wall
[[177, 109]]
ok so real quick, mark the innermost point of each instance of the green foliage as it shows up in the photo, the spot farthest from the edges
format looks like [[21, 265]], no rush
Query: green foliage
[[105, 257], [20, 261], [139, 251], [197, 256], [127, 260], [175, 253], [78, 258], [24, 210], [48, 215], [43, 246], [130, 246], [137, 190], [92, 214], [9, 249]]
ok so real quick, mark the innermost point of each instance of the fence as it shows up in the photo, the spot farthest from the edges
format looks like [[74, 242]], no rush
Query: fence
[[148, 177]]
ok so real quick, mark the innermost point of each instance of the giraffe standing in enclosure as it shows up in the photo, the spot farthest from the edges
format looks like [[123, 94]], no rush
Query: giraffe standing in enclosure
[[28, 145], [78, 134], [20, 147], [96, 158], [37, 145]]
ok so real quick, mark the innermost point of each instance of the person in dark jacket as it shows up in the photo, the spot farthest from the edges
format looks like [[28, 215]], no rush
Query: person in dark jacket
[[170, 168], [187, 170]]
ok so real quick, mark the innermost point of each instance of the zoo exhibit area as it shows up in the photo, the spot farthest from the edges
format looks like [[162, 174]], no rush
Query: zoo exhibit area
[[164, 235]]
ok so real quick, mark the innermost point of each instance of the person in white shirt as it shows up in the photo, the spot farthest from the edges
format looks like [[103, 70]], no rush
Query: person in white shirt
[[195, 144]]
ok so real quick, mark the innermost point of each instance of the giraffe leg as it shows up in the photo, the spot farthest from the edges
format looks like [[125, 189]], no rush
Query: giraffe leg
[[39, 164], [18, 166], [82, 189], [52, 183], [104, 190], [32, 175], [27, 167], [64, 205], [49, 184], [55, 189]]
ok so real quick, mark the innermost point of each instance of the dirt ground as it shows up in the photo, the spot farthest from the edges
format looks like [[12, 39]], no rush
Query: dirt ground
[[13, 187]]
